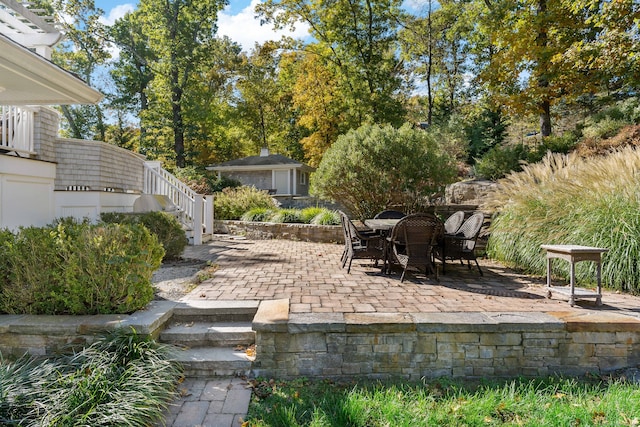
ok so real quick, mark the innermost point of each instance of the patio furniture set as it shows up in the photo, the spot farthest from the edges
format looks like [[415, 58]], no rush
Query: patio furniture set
[[416, 241], [412, 241]]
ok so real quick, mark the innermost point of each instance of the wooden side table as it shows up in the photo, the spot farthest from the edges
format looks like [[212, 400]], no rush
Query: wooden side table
[[574, 254]]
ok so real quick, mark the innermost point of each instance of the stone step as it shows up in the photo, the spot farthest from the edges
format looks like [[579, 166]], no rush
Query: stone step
[[206, 334], [206, 362], [215, 311]]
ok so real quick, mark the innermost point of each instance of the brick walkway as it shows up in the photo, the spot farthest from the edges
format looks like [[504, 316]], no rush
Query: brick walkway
[[310, 275]]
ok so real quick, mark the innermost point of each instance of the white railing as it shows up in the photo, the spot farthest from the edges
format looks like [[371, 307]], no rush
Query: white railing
[[16, 129], [196, 210]]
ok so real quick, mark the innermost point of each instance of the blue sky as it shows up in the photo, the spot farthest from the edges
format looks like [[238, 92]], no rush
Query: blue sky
[[236, 21]]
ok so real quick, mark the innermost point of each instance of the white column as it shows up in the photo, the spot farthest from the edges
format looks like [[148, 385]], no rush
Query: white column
[[295, 181], [197, 220]]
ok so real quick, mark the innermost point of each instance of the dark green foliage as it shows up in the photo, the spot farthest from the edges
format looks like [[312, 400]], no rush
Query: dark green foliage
[[373, 167], [164, 226], [69, 268], [123, 379], [485, 132], [258, 215], [501, 160]]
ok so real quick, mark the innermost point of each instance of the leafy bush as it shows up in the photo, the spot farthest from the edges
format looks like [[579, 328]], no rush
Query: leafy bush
[[287, 216], [231, 203], [566, 199], [71, 268], [258, 215], [204, 182], [307, 214], [164, 226], [326, 217], [373, 167], [121, 379], [500, 161]]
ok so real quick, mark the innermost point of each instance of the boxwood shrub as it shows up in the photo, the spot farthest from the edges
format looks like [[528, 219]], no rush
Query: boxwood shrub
[[164, 226], [77, 268]]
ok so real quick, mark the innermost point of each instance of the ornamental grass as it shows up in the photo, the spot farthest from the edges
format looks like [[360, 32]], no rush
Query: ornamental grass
[[566, 199]]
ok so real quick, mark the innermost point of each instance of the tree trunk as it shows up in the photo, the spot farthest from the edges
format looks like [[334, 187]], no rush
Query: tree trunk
[[542, 41], [178, 125], [545, 118]]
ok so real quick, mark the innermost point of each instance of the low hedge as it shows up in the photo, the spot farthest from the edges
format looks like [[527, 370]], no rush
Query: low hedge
[[164, 226], [77, 268]]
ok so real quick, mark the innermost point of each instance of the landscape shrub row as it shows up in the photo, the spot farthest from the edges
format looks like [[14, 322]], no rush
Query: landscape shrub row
[[77, 268], [313, 215]]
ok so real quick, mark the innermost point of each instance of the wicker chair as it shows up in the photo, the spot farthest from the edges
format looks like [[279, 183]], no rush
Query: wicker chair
[[412, 240], [462, 245], [390, 214], [453, 223], [359, 244]]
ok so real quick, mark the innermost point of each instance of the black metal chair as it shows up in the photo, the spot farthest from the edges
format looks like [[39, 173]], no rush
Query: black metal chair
[[390, 214], [359, 244], [412, 241], [462, 245]]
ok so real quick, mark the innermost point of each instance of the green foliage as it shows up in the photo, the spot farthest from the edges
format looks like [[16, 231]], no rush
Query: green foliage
[[373, 167], [287, 216], [326, 217], [232, 203], [164, 226], [307, 214], [123, 379], [443, 402], [70, 268], [258, 214], [501, 160], [570, 200], [486, 131], [605, 128]]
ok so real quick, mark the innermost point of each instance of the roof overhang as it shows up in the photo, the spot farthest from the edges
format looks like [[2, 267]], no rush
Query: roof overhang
[[260, 168], [26, 78]]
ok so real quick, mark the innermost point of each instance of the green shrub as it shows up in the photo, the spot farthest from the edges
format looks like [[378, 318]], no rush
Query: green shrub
[[286, 216], [326, 217], [164, 226], [258, 215], [566, 199], [79, 269], [122, 379], [232, 203], [307, 214], [605, 128], [373, 167], [500, 161]]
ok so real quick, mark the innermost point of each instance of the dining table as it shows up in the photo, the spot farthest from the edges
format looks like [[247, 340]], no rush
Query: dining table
[[383, 227]]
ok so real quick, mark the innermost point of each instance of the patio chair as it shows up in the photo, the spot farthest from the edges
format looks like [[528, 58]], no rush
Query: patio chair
[[412, 240], [462, 245], [359, 244], [390, 214], [453, 223]]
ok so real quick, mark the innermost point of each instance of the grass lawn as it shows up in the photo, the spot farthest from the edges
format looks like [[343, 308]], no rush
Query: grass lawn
[[521, 402]]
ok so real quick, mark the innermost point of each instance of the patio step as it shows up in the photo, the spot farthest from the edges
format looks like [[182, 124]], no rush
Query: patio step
[[206, 334], [213, 338], [207, 362]]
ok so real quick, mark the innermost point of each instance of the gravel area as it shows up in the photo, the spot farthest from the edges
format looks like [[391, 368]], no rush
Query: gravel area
[[175, 279]]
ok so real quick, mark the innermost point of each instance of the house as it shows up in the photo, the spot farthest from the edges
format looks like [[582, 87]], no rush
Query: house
[[43, 176], [276, 173]]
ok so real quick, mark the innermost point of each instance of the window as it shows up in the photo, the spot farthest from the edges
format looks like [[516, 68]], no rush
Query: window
[[303, 178]]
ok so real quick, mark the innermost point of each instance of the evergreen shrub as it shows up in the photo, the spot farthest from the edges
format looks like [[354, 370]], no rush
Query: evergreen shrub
[[78, 268], [163, 225]]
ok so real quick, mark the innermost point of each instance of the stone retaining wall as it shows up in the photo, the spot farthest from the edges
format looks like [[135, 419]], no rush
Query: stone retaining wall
[[443, 344], [269, 230]]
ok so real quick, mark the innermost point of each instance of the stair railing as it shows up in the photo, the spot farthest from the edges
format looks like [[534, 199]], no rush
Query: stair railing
[[195, 209]]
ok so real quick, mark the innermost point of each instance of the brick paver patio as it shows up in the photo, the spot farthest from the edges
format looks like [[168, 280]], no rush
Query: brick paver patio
[[310, 276]]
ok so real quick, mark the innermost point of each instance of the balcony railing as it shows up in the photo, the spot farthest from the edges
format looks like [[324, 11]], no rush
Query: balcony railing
[[16, 130]]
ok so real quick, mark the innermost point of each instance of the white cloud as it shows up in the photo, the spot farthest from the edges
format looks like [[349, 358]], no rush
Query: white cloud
[[116, 13], [245, 29]]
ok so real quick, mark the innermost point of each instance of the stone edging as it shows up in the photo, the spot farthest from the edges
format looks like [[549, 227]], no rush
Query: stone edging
[[270, 230]]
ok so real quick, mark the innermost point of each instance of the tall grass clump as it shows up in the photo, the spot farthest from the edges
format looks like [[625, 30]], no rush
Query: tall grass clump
[[566, 199], [232, 203], [122, 379], [258, 215], [287, 216], [326, 217]]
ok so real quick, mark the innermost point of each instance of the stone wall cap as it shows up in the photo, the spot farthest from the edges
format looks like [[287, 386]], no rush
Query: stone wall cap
[[272, 316], [316, 322]]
